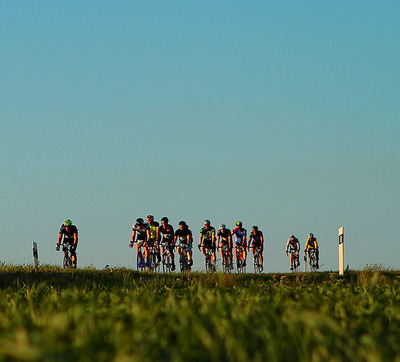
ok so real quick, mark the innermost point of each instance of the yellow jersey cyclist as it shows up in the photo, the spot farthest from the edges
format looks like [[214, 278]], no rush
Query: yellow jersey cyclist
[[139, 235], [70, 233], [207, 239], [183, 240], [311, 244], [240, 243], [257, 238], [153, 235], [224, 238], [167, 239], [293, 247]]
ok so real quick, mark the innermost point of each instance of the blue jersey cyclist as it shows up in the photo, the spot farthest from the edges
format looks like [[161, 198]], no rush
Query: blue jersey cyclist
[[207, 239], [240, 243], [70, 234]]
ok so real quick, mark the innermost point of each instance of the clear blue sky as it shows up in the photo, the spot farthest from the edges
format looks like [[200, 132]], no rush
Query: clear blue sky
[[281, 114]]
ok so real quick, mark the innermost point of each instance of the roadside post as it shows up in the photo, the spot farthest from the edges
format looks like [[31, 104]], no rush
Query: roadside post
[[35, 254], [341, 251]]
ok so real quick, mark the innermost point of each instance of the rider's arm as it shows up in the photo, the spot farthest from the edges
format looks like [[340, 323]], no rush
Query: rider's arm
[[76, 238], [201, 238], [133, 236], [59, 239], [262, 240]]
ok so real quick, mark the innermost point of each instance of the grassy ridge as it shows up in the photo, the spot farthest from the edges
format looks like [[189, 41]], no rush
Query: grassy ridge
[[102, 315]]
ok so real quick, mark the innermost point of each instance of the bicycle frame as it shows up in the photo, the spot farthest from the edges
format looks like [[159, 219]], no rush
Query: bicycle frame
[[183, 259], [67, 261], [153, 252], [293, 260], [240, 259], [226, 261], [166, 259], [312, 260], [256, 260]]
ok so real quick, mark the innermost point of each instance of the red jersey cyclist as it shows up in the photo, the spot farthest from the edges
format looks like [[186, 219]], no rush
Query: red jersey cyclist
[[70, 233], [167, 239], [256, 237], [224, 238], [240, 243]]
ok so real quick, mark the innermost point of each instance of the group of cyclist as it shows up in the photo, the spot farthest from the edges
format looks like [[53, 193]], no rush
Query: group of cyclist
[[162, 237], [151, 234], [293, 247]]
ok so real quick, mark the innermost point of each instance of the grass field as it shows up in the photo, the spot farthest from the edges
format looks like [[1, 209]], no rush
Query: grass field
[[52, 314]]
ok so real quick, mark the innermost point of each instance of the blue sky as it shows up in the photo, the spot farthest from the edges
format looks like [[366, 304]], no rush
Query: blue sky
[[280, 114]]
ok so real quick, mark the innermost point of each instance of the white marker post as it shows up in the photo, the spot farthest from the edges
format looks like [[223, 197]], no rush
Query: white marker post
[[35, 254], [341, 251]]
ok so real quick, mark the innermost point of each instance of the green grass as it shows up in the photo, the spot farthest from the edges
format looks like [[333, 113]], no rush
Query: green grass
[[52, 314]]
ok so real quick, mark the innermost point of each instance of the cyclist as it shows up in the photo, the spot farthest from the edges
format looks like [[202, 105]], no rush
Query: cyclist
[[183, 238], [207, 239], [224, 238], [70, 233], [311, 244], [240, 233], [153, 235], [257, 238], [293, 244], [139, 231], [167, 238]]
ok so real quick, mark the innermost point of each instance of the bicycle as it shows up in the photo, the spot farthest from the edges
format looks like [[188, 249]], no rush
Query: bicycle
[[184, 264], [294, 261], [227, 266], [153, 264], [140, 262], [208, 261], [241, 262], [166, 259], [67, 261], [312, 260], [256, 261]]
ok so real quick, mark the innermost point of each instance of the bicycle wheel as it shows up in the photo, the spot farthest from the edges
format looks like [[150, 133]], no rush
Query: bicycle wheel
[[167, 263], [256, 262]]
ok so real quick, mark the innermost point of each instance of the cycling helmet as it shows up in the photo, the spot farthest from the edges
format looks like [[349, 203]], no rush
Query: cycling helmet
[[207, 222], [67, 222], [183, 223], [239, 223], [311, 235], [292, 237], [255, 228], [165, 219], [150, 218], [222, 227], [139, 221]]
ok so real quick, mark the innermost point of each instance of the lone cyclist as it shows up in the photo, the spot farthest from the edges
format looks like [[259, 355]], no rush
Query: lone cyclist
[[293, 245], [70, 233], [311, 244], [207, 239]]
